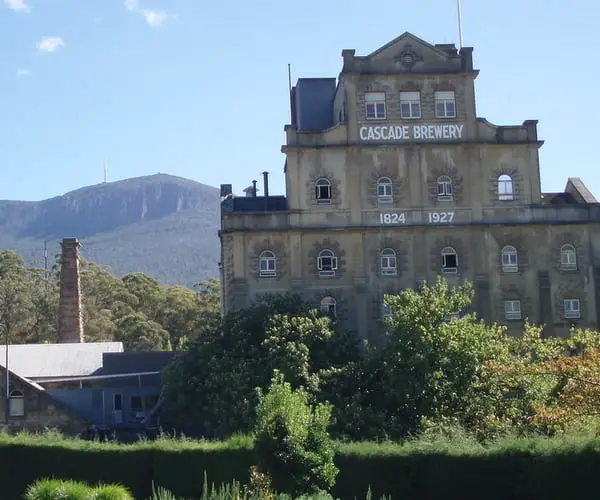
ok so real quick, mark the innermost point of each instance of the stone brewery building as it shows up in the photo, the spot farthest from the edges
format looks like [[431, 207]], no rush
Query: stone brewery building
[[392, 180]]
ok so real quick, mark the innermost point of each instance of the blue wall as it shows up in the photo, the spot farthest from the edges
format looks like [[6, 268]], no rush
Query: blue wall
[[97, 405]]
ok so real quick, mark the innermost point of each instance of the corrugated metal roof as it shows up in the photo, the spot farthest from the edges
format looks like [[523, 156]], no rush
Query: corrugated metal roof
[[36, 361], [133, 362]]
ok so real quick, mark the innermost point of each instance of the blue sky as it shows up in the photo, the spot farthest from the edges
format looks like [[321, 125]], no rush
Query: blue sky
[[198, 88]]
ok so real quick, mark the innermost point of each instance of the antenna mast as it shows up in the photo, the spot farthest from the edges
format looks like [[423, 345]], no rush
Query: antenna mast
[[290, 93], [460, 37], [46, 261], [105, 171]]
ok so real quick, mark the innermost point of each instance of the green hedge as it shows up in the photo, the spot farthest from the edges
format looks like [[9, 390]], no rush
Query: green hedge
[[531, 469]]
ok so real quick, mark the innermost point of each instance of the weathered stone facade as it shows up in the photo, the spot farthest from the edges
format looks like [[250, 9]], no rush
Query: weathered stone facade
[[417, 187], [33, 410], [70, 321]]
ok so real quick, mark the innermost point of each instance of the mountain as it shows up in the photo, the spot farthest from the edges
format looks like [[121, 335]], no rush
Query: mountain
[[161, 225]]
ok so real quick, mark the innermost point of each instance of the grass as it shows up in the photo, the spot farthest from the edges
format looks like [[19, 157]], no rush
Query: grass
[[461, 446]]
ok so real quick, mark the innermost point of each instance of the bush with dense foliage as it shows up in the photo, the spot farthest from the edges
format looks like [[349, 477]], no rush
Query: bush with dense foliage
[[450, 465], [440, 366], [214, 382], [291, 440], [65, 489]]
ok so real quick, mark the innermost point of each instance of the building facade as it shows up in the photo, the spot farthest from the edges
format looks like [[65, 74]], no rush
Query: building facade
[[392, 180]]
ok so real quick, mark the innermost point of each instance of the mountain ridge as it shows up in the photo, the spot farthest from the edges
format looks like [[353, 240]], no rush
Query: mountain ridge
[[163, 225]]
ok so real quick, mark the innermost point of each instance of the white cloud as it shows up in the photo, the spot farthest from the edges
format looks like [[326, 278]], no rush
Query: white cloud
[[155, 17], [132, 5], [50, 44], [19, 5], [23, 72]]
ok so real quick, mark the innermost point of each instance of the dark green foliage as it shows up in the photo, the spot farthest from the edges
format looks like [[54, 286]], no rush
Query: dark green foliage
[[292, 442], [214, 383], [159, 225], [134, 309], [132, 468], [459, 469]]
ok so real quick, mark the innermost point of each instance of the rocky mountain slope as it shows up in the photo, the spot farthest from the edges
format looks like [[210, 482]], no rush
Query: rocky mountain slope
[[161, 225]]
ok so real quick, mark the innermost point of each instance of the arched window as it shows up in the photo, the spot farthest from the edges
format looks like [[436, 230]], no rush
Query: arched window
[[384, 190], [568, 258], [323, 191], [449, 261], [505, 188], [510, 263], [328, 307], [326, 263], [444, 188], [388, 262], [16, 403], [267, 264]]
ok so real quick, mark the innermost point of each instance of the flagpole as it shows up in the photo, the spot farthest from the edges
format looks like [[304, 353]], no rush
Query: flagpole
[[460, 37]]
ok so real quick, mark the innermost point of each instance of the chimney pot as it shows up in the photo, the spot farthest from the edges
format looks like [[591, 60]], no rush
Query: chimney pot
[[70, 320]]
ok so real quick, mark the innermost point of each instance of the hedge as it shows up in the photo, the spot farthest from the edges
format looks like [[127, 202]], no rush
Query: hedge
[[528, 469]]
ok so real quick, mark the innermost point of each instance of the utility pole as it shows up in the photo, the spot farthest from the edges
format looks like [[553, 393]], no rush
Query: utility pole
[[7, 376]]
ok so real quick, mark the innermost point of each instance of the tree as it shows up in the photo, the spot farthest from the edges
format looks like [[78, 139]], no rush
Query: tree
[[104, 299], [563, 374], [147, 292], [138, 333], [180, 314], [292, 442], [213, 383], [16, 302]]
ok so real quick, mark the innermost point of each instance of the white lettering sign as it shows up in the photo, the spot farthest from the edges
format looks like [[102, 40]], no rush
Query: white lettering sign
[[450, 131], [392, 218], [441, 217]]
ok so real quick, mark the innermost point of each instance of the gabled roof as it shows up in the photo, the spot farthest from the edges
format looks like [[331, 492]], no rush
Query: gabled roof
[[404, 37], [37, 361]]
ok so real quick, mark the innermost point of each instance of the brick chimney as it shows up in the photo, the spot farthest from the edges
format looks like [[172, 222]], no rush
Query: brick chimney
[[70, 321]]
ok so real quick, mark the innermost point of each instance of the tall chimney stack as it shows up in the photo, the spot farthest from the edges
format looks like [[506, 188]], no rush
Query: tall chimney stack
[[70, 320], [266, 183]]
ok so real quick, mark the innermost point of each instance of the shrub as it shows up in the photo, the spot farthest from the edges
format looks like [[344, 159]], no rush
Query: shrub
[[57, 489], [110, 492], [162, 494], [292, 442], [61, 489]]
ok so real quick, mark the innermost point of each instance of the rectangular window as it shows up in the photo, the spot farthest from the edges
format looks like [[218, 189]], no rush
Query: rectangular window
[[375, 105], [117, 402], [512, 309], [410, 105], [572, 308], [449, 263], [136, 403], [445, 105], [509, 262], [16, 406]]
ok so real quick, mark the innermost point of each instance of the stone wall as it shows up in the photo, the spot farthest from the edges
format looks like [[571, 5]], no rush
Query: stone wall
[[40, 411]]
